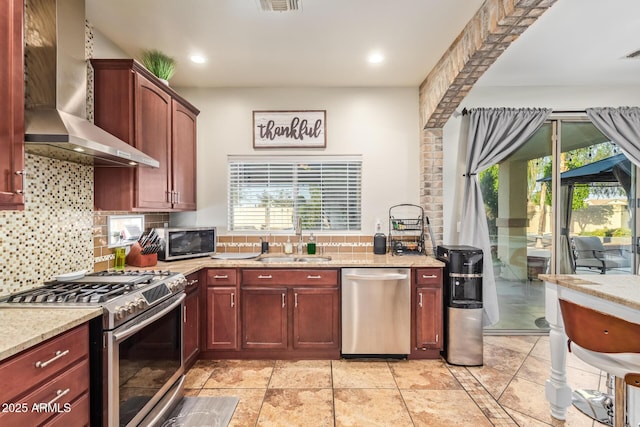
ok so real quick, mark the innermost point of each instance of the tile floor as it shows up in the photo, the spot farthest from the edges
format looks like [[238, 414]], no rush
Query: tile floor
[[507, 391]]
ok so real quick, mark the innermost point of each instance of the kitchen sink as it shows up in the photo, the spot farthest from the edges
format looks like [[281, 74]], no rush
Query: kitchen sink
[[307, 259]]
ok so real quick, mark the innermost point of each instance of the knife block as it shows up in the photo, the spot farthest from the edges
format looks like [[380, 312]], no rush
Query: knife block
[[137, 259]]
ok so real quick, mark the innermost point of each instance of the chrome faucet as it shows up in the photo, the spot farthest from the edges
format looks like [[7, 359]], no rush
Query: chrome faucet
[[299, 233]]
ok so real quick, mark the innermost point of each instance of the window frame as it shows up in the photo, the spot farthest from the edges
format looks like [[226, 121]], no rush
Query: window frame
[[348, 211]]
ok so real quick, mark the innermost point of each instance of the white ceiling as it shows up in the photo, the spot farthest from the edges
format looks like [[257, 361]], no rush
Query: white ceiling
[[577, 42]]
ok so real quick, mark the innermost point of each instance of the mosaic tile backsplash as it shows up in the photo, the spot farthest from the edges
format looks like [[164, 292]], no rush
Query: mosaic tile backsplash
[[54, 233]]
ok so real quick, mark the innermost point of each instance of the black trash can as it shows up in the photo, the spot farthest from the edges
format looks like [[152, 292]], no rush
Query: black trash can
[[463, 343]]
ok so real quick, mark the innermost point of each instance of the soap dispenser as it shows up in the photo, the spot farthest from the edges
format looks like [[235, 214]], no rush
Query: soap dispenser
[[311, 245], [379, 240], [288, 247]]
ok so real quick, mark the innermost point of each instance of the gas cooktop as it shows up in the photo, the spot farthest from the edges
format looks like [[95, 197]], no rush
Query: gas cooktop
[[121, 294]]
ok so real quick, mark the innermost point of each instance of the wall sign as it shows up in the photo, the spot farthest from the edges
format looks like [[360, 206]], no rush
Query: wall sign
[[289, 129]]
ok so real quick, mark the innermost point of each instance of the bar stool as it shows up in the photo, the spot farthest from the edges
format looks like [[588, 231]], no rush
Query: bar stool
[[609, 343]]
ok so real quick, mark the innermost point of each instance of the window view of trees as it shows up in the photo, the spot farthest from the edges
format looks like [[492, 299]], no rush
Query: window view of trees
[[599, 206]]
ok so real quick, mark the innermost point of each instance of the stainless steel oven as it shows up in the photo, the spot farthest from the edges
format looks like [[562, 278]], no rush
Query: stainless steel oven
[[144, 365], [136, 359]]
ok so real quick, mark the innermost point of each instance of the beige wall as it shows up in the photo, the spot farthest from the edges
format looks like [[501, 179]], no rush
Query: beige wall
[[381, 124]]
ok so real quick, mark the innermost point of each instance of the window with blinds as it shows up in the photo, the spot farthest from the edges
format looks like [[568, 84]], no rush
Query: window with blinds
[[269, 193]]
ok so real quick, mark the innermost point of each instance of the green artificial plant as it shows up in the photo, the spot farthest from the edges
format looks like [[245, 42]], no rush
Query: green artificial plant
[[161, 65]]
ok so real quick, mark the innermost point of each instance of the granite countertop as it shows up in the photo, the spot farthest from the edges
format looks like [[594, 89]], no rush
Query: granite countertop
[[623, 289], [23, 328], [337, 261]]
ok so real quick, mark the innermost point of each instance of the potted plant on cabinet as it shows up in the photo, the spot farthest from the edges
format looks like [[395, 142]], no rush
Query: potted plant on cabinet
[[160, 65]]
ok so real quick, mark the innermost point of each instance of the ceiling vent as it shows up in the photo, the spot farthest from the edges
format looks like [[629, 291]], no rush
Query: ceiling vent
[[279, 5]]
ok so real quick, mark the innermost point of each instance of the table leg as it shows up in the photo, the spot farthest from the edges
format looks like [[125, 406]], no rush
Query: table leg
[[557, 392]]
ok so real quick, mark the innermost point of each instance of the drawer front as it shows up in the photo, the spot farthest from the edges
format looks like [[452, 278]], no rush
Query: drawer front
[[78, 415], [30, 368], [221, 277], [272, 276], [429, 276], [51, 398]]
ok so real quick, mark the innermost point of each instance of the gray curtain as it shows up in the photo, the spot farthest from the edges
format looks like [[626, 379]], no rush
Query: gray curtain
[[620, 125], [494, 134]]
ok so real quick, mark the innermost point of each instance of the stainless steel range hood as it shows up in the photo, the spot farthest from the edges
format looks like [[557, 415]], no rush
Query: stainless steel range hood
[[56, 90]]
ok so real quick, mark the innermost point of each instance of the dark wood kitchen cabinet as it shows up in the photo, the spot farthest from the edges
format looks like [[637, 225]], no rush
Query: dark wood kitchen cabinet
[[290, 313], [191, 320], [11, 105], [55, 372], [136, 107], [222, 313], [427, 310]]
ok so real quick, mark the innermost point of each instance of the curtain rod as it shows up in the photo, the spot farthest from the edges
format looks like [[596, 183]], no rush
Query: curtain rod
[[465, 111]]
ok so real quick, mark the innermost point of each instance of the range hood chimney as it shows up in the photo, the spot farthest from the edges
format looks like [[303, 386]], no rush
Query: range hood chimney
[[56, 90]]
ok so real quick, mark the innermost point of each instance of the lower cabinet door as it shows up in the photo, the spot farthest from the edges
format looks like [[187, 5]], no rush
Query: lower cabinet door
[[222, 318], [315, 318], [429, 317], [264, 318]]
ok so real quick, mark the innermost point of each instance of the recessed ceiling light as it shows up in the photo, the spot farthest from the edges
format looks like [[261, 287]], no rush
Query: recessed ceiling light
[[375, 58], [198, 59]]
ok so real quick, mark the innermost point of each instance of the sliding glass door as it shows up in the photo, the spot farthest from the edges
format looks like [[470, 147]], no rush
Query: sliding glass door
[[565, 194]]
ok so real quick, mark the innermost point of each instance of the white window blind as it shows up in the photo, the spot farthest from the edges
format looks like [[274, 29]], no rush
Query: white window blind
[[269, 193]]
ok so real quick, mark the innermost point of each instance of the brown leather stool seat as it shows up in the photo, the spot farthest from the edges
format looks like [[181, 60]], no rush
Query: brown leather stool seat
[[607, 342]]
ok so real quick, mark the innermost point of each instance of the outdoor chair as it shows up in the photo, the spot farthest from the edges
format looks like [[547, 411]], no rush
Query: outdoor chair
[[588, 252]]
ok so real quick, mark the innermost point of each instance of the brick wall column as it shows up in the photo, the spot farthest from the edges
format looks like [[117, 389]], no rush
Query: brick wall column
[[491, 30], [431, 181]]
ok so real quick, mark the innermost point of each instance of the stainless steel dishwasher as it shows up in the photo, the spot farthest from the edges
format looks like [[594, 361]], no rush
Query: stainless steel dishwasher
[[376, 312]]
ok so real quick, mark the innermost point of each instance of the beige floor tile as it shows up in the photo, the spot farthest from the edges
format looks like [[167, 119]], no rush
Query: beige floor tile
[[423, 374], [528, 398], [370, 407], [297, 407], [502, 359], [361, 374], [248, 409], [240, 374], [493, 380], [525, 421], [542, 349], [301, 374], [443, 408], [199, 373], [519, 343]]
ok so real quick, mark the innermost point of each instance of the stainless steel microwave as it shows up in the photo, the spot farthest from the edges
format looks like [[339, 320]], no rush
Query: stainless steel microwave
[[186, 242]]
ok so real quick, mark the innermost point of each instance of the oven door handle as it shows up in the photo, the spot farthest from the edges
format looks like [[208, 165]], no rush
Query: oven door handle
[[137, 326]]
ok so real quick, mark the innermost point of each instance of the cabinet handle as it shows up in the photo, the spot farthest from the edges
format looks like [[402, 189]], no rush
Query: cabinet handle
[[168, 196], [59, 394], [430, 276], [222, 276], [420, 301], [318, 276], [177, 197], [437, 337], [192, 282], [283, 299], [24, 181], [233, 299], [184, 315], [266, 276], [58, 355], [295, 300]]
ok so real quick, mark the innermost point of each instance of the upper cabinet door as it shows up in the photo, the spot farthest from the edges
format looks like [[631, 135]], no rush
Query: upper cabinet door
[[11, 105], [134, 105], [184, 157], [153, 137]]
